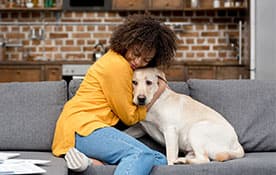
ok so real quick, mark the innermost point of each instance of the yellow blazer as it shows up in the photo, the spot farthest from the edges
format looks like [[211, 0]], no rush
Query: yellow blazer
[[104, 98]]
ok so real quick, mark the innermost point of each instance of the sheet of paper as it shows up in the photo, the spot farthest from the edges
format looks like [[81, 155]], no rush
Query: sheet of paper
[[7, 155], [33, 161], [20, 168]]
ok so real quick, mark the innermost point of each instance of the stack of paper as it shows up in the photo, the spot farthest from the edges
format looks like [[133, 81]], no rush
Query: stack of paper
[[20, 166], [5, 156]]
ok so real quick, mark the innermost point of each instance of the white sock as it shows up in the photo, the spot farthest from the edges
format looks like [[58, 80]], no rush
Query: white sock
[[76, 161]]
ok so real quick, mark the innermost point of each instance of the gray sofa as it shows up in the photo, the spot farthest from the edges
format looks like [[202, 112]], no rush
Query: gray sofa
[[28, 112]]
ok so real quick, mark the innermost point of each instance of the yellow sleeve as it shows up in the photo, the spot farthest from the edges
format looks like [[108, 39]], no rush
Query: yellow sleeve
[[116, 83]]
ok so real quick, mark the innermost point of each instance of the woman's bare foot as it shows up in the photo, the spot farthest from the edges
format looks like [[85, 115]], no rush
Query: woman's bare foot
[[96, 162]]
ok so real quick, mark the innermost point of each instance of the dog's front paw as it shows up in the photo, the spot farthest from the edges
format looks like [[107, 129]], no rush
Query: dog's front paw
[[181, 160], [170, 162]]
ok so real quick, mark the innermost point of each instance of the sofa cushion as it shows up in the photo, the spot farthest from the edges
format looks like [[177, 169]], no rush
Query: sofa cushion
[[28, 114], [251, 164], [249, 105], [73, 87], [178, 86]]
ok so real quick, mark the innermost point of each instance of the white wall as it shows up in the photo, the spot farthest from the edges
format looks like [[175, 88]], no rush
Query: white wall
[[265, 39]]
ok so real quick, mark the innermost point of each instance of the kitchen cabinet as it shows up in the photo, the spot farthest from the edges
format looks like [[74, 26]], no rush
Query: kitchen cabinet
[[147, 5], [166, 4], [24, 71], [202, 72], [219, 72], [175, 73], [38, 70], [179, 71], [232, 72], [52, 73], [129, 4], [20, 73], [206, 70]]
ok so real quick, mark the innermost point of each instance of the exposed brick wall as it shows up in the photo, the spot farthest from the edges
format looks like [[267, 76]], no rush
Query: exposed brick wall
[[205, 38]]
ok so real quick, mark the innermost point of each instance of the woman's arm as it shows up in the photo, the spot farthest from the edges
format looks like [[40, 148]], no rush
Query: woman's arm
[[115, 76]]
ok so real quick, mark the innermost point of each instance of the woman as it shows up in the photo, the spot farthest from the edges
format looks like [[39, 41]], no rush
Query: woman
[[88, 121]]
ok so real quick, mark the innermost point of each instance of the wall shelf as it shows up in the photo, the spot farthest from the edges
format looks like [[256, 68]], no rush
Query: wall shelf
[[212, 8], [31, 9]]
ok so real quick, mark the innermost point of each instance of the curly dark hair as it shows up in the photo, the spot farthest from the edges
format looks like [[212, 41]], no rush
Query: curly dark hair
[[148, 32]]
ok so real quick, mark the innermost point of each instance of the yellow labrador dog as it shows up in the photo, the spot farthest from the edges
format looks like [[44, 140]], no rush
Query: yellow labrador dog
[[182, 123]]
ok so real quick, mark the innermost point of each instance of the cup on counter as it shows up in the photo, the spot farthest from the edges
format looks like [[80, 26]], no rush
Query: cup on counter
[[216, 3], [228, 3], [48, 3], [194, 3], [35, 2], [238, 3], [2, 51], [29, 4]]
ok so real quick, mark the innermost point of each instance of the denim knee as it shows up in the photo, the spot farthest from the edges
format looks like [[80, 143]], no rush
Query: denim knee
[[160, 159], [138, 163]]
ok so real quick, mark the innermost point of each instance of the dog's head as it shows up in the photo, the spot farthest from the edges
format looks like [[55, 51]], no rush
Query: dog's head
[[145, 84]]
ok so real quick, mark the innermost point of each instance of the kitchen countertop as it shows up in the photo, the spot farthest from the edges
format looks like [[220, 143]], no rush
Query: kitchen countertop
[[202, 62], [209, 62], [44, 62]]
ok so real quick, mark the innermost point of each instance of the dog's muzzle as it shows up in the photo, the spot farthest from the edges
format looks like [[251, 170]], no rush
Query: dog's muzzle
[[141, 99]]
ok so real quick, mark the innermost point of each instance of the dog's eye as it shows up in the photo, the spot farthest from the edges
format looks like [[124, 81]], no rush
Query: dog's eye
[[149, 82], [134, 82]]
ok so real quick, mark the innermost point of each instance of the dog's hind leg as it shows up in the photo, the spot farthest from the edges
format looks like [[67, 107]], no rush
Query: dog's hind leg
[[200, 157], [198, 145]]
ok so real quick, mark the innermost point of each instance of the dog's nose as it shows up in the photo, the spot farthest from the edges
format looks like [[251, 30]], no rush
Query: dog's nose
[[141, 99]]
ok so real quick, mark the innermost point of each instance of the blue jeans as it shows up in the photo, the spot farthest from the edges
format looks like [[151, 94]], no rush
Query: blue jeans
[[116, 147]]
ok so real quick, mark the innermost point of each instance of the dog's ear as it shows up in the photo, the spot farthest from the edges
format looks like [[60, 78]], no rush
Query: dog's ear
[[160, 74]]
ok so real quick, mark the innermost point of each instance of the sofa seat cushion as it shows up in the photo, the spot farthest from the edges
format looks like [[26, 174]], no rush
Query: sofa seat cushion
[[252, 164], [177, 86], [28, 114], [73, 87], [56, 166], [249, 105]]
